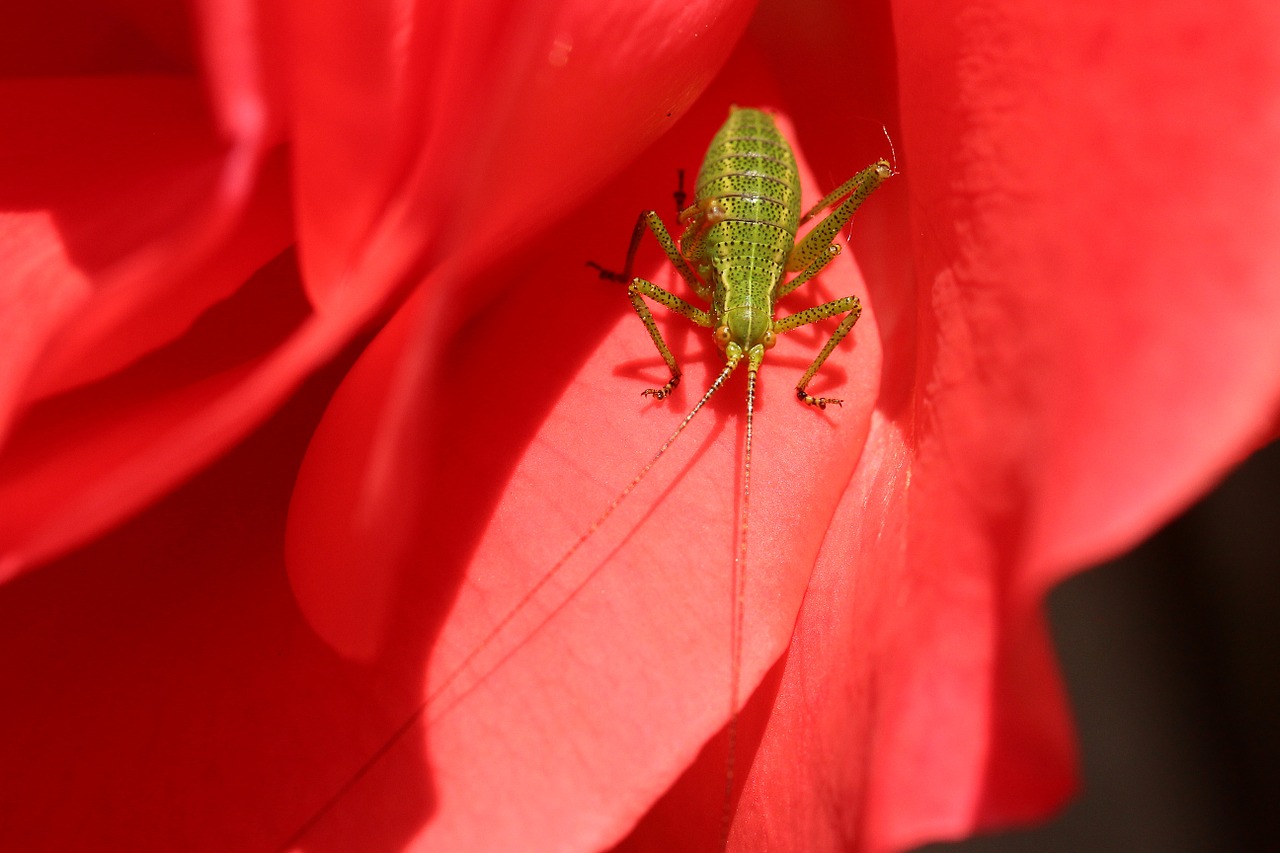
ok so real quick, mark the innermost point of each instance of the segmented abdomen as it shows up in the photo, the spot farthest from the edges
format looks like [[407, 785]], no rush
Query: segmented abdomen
[[750, 174]]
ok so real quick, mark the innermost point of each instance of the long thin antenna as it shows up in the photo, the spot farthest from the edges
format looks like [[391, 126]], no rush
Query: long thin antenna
[[502, 623], [581, 540], [892, 151], [511, 614], [736, 618]]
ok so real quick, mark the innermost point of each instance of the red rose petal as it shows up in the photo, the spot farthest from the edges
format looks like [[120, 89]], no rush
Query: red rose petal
[[602, 706], [918, 699], [115, 216], [162, 690], [1072, 320], [360, 523], [476, 130], [67, 38]]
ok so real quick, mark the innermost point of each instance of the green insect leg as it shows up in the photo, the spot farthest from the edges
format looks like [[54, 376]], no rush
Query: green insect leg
[[815, 243], [818, 265], [639, 287], [653, 222], [814, 315]]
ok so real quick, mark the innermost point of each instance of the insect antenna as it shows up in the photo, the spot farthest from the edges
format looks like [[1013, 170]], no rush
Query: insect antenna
[[893, 152], [595, 525], [433, 697], [739, 584]]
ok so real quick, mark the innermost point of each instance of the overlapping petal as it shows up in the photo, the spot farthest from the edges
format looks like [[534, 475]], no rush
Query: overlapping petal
[[131, 209], [603, 687], [1070, 293], [1050, 393], [395, 174], [919, 699]]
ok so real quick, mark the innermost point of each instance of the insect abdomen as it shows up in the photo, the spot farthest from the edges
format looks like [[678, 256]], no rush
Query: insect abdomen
[[748, 190]]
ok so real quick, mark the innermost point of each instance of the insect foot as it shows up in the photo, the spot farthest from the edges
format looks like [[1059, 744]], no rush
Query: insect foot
[[608, 275], [664, 391], [820, 402]]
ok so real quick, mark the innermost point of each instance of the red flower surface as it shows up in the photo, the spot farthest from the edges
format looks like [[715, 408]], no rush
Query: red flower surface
[[1069, 335]]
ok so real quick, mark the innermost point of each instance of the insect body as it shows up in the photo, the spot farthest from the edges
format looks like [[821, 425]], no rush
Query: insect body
[[738, 244]]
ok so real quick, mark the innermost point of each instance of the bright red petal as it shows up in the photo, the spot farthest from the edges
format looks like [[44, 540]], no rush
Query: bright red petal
[[1062, 303], [443, 137], [119, 236], [163, 691], [133, 208], [575, 719], [1088, 345]]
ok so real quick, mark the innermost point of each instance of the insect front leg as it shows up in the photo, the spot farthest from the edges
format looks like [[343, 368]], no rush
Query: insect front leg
[[653, 222], [814, 315], [813, 253], [818, 241], [639, 287]]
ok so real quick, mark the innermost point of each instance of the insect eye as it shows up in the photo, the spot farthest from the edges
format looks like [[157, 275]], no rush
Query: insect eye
[[768, 339], [723, 336]]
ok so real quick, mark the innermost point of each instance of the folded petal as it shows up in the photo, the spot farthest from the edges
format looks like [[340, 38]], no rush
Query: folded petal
[[454, 132], [1049, 381], [594, 694], [162, 690], [380, 430], [1029, 414], [133, 208], [119, 235]]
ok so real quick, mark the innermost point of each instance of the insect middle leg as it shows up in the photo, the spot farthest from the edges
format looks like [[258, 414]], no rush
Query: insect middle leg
[[638, 288], [814, 315]]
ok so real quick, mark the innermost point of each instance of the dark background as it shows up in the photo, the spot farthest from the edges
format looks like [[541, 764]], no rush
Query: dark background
[[1172, 657]]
